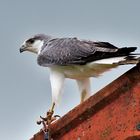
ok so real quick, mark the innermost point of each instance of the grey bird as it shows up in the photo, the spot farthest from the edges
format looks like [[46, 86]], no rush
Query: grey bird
[[76, 59]]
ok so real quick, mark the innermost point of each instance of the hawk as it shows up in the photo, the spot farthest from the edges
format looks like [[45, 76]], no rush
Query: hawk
[[76, 59]]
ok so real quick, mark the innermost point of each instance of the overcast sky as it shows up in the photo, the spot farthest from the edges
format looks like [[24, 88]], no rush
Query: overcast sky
[[25, 92]]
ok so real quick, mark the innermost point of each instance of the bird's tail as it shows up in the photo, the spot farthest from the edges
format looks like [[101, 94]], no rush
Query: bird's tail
[[129, 56], [126, 50], [132, 59]]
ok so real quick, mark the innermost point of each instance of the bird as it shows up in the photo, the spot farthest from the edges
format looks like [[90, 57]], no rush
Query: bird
[[78, 59]]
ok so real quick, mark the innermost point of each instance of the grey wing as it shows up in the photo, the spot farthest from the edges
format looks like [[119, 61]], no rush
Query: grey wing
[[71, 51], [65, 51]]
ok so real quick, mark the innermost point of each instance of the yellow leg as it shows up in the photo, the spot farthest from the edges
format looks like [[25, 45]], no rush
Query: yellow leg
[[50, 113], [52, 107], [46, 121]]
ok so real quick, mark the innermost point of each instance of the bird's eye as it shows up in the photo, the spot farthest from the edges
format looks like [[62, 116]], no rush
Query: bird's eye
[[30, 41]]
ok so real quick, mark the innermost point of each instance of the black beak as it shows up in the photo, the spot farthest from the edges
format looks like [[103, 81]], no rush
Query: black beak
[[22, 49]]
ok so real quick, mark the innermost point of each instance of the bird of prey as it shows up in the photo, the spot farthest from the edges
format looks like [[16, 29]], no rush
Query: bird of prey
[[76, 59]]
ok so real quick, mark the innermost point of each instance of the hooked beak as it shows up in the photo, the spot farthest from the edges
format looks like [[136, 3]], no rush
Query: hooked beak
[[22, 49]]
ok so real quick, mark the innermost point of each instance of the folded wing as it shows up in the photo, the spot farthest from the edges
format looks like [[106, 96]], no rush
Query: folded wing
[[71, 51]]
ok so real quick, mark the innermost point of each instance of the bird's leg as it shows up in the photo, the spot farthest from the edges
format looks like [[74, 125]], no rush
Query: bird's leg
[[84, 88], [49, 116], [57, 81], [46, 121], [50, 113], [83, 95]]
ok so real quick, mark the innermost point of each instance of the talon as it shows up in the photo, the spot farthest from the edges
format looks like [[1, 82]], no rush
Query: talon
[[57, 116], [46, 121], [39, 122]]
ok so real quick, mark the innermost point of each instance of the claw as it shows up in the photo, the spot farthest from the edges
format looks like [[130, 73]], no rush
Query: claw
[[56, 116], [46, 121], [49, 117], [39, 122]]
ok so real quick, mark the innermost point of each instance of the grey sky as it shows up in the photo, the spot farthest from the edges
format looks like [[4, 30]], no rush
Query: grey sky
[[24, 86]]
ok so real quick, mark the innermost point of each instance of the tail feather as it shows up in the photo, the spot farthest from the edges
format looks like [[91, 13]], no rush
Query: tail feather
[[126, 50], [129, 60]]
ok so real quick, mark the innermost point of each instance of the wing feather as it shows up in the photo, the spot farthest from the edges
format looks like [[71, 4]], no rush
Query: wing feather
[[71, 51]]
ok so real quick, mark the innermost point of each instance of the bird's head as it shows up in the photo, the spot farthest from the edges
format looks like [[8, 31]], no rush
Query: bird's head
[[35, 43]]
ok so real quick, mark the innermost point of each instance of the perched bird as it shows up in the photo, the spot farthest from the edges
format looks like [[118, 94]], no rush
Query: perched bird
[[76, 59]]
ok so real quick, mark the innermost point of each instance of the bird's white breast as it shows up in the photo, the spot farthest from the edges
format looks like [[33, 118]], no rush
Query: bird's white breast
[[80, 72], [93, 69]]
